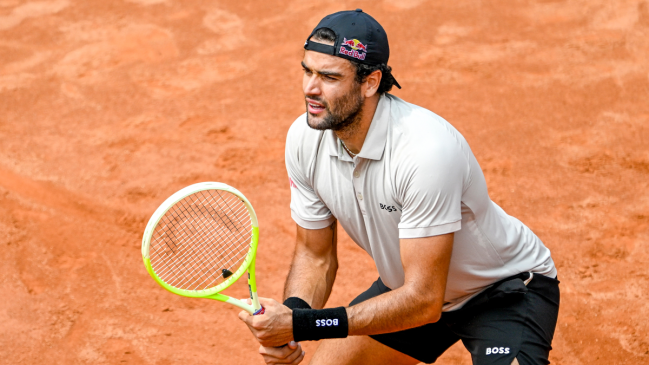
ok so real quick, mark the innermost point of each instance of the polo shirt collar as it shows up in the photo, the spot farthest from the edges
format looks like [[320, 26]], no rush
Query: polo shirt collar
[[375, 140]]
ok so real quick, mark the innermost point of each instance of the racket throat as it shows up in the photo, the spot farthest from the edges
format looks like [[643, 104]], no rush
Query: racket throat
[[252, 287], [236, 302]]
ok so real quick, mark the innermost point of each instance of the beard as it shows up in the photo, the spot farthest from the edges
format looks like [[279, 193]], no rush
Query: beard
[[340, 114]]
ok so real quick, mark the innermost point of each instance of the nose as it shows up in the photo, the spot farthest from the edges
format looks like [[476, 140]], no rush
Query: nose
[[311, 85]]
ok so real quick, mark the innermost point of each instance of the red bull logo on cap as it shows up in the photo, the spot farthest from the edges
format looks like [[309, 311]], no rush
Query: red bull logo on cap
[[355, 44], [358, 49]]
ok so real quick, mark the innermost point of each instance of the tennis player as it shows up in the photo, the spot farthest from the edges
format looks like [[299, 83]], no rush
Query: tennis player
[[405, 186]]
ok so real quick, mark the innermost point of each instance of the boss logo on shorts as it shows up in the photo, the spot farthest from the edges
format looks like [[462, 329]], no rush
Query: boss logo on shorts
[[497, 350], [326, 322]]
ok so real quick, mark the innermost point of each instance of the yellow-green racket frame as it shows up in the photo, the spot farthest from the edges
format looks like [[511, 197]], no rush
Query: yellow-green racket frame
[[247, 265]]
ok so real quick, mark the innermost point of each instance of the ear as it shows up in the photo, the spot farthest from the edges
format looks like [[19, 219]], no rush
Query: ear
[[372, 83]]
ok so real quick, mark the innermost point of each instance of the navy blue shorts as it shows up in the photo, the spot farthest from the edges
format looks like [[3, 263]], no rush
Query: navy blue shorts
[[506, 321]]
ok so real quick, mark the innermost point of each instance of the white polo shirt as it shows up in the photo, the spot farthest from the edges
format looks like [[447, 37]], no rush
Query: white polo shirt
[[414, 177]]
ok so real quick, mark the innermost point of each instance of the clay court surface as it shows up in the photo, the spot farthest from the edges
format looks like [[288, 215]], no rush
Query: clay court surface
[[108, 107]]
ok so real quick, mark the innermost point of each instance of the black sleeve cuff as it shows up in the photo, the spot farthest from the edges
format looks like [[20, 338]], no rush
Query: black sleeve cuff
[[295, 302]]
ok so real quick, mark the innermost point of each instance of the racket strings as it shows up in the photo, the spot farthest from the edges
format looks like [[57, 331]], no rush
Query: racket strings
[[222, 250], [200, 236], [210, 271], [209, 231], [228, 224]]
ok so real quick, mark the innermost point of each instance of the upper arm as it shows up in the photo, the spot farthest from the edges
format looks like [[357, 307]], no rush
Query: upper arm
[[430, 187], [307, 209], [426, 261], [317, 243]]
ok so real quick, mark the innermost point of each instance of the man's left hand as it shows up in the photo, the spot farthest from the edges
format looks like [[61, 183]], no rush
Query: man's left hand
[[273, 328]]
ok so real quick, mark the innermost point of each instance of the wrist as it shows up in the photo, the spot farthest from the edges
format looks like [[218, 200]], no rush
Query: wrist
[[318, 324]]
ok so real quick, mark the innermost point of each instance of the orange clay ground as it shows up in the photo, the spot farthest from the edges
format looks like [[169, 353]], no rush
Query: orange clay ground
[[108, 107]]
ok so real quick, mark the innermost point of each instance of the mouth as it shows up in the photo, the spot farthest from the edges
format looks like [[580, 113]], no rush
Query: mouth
[[314, 107]]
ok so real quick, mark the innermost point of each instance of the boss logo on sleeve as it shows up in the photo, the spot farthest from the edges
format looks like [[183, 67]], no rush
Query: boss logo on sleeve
[[497, 350], [326, 322]]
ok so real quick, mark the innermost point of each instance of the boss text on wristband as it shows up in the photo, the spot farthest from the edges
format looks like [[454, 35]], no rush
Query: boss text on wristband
[[318, 324]]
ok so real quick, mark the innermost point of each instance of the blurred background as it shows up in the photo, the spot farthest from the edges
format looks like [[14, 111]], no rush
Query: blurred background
[[108, 107]]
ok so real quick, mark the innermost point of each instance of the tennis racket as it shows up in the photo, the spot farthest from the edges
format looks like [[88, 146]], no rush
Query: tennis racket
[[201, 240]]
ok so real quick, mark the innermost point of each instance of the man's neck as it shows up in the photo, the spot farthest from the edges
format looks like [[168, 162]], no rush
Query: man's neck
[[354, 135]]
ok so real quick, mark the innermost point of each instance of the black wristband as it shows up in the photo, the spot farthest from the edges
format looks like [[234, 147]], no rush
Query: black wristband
[[318, 324], [295, 302]]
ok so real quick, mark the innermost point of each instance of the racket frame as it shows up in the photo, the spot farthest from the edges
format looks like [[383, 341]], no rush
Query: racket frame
[[247, 265]]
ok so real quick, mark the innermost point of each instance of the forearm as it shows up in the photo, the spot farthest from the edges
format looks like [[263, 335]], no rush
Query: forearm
[[419, 301], [396, 310], [310, 279], [313, 269]]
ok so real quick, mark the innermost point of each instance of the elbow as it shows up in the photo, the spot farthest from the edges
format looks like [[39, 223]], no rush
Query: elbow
[[433, 315], [330, 262], [326, 265], [430, 313], [428, 306], [332, 270], [333, 266]]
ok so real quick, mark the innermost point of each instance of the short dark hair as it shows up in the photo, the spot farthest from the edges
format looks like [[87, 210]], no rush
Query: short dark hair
[[362, 70]]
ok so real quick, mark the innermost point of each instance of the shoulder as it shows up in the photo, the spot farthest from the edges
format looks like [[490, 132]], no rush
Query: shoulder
[[301, 135], [298, 128], [302, 142], [420, 136]]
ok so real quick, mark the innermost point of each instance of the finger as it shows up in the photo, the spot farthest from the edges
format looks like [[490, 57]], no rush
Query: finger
[[271, 350], [299, 359], [266, 301], [247, 319], [281, 352], [243, 315], [293, 358], [295, 355]]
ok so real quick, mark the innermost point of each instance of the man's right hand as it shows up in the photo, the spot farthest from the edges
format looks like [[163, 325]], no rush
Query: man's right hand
[[289, 354]]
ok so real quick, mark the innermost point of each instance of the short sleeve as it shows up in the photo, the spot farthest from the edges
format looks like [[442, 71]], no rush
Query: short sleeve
[[430, 187], [307, 210]]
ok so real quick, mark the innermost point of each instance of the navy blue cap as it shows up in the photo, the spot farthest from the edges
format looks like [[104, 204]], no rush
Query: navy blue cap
[[359, 37]]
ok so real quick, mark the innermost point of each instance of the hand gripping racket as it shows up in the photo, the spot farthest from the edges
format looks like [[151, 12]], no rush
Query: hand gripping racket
[[201, 240]]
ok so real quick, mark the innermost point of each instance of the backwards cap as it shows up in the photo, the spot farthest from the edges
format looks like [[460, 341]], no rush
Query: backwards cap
[[359, 38]]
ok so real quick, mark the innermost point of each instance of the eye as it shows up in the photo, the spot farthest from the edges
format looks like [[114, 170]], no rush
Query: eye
[[307, 72]]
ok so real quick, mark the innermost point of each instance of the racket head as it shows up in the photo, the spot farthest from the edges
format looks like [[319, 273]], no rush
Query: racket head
[[167, 239]]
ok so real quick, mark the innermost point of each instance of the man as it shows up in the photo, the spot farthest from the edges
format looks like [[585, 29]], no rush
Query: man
[[405, 186]]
